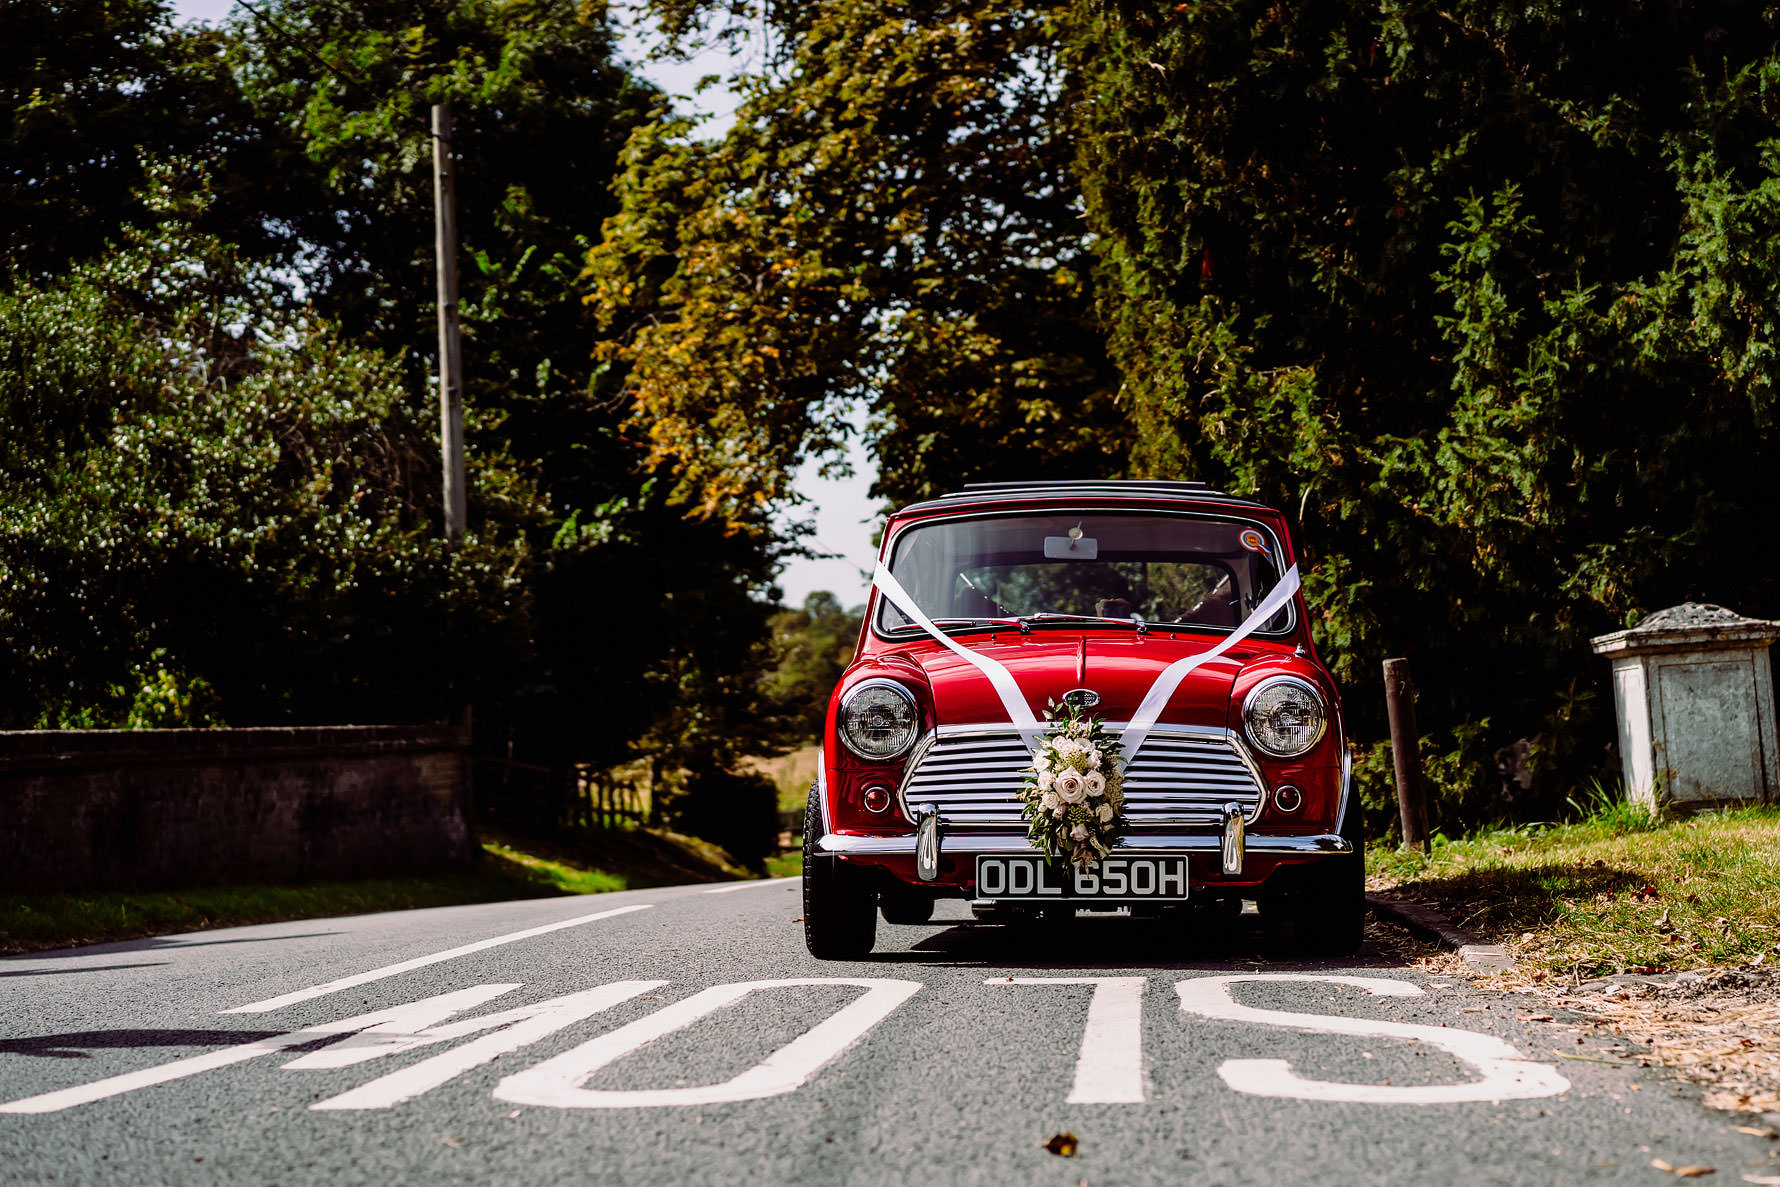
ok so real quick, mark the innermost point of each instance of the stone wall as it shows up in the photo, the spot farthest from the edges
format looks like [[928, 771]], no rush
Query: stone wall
[[139, 809]]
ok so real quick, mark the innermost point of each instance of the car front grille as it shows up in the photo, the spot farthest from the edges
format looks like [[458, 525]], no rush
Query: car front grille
[[1180, 778]]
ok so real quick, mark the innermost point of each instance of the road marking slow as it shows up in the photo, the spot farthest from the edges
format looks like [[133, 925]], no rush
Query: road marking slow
[[557, 1083], [748, 885], [1507, 1074], [1109, 1066], [420, 962], [1109, 1069]]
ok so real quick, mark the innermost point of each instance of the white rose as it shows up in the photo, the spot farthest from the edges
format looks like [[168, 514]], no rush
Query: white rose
[[1067, 748], [1105, 813], [1057, 813], [1095, 782], [1045, 778], [1093, 758], [1049, 802], [1071, 788], [1079, 833]]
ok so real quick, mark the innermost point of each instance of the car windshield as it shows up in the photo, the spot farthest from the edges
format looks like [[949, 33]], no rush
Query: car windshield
[[1042, 569]]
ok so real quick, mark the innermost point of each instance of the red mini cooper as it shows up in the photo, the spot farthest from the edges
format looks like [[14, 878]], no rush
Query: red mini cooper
[[1165, 610]]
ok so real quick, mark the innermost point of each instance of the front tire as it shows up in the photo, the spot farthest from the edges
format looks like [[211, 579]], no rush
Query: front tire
[[1327, 903], [840, 912]]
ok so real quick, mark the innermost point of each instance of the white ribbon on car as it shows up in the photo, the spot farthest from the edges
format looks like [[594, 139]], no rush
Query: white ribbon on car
[[1156, 699], [1167, 680], [1012, 699]]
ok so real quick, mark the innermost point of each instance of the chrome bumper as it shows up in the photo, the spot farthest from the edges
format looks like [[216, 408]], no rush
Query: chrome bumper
[[964, 843]]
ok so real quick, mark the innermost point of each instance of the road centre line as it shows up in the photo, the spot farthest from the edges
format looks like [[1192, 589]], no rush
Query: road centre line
[[420, 962], [749, 885]]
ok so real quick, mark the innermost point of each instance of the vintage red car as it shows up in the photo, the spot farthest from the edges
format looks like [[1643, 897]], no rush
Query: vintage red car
[[1167, 609]]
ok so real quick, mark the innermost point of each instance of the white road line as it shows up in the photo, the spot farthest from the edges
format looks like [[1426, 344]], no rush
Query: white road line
[[1507, 1074], [557, 1083], [517, 1028], [65, 1098], [406, 1018], [748, 885], [420, 962], [1109, 1069]]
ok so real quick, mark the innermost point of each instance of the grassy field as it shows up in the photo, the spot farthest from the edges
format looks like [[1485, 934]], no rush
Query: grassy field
[[1614, 893], [506, 868], [786, 865], [793, 773]]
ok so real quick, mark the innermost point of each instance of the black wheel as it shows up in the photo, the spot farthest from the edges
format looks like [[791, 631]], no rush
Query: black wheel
[[1326, 902], [840, 913], [905, 905]]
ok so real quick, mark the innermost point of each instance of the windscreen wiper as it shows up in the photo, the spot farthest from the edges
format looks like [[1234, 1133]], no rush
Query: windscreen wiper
[[1025, 627], [1143, 627]]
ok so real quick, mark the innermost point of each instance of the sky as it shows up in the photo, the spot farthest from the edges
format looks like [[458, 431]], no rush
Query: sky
[[844, 514]]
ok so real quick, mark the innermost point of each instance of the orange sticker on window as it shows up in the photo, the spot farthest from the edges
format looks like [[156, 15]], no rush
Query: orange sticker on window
[[1253, 541]]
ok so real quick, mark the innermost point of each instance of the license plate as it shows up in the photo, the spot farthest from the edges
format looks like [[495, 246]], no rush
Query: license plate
[[1156, 878]]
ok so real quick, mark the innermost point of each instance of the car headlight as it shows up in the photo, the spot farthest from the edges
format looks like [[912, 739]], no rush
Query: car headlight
[[1285, 716], [879, 720]]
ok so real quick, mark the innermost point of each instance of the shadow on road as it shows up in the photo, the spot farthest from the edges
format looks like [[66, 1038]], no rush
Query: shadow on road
[[76, 1044], [152, 944], [1111, 943], [90, 968]]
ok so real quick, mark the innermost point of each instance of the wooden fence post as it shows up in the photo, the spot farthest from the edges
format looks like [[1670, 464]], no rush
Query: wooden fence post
[[1412, 799]]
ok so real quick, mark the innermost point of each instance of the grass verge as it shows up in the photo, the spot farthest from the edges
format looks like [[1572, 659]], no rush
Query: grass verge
[[507, 868], [1614, 893], [786, 865]]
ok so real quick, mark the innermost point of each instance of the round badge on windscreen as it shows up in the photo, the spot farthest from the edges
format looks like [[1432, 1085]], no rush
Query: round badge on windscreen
[[1254, 541]]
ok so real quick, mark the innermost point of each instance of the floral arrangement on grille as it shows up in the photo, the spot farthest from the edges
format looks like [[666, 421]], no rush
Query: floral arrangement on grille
[[1074, 795]]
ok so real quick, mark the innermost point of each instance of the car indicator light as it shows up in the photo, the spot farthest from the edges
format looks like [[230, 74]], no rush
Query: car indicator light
[[876, 799], [1287, 798]]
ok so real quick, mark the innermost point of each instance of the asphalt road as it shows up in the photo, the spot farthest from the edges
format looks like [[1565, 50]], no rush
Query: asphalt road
[[628, 1040]]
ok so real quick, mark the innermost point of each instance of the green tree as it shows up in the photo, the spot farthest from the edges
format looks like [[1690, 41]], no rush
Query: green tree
[[890, 222], [814, 644], [95, 93], [213, 513], [641, 619], [215, 395], [1482, 293]]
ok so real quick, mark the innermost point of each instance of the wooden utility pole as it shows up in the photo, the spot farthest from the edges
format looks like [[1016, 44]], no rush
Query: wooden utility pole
[[1412, 798], [451, 360]]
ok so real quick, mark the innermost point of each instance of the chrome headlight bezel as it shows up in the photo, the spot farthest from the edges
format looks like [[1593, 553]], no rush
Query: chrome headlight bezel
[[896, 688], [1316, 697]]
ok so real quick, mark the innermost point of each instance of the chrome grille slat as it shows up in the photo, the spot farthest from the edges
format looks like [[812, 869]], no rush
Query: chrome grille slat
[[973, 778]]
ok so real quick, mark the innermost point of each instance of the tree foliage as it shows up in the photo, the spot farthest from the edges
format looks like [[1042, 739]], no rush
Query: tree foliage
[[814, 644], [890, 222], [217, 514], [218, 407], [1482, 292]]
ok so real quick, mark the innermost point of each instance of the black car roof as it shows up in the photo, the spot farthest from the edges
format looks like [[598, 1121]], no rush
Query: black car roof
[[979, 492]]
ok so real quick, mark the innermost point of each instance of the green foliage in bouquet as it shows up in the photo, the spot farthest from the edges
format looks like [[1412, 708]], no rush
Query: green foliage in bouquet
[[1074, 792]]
